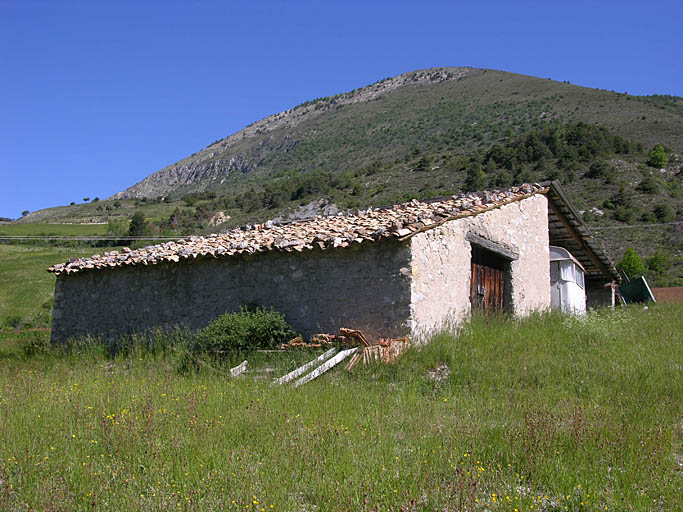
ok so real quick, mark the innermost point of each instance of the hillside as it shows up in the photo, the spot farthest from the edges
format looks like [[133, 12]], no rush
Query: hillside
[[431, 110]]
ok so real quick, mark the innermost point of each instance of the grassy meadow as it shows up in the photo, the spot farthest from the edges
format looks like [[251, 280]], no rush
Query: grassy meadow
[[26, 289], [99, 212], [545, 413], [40, 229]]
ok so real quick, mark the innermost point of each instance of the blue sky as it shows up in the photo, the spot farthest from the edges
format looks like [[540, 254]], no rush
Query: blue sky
[[95, 96]]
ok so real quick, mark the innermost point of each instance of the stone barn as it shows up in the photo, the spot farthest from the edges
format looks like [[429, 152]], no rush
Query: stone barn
[[406, 269]]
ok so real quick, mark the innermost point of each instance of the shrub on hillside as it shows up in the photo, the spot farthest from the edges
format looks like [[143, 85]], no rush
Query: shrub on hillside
[[649, 185], [657, 157], [664, 212], [248, 329], [657, 264], [601, 169], [137, 226]]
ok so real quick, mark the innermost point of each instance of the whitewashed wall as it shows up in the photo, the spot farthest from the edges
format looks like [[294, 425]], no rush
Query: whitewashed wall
[[441, 263]]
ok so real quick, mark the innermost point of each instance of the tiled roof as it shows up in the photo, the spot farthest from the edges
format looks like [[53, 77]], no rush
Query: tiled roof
[[398, 222]]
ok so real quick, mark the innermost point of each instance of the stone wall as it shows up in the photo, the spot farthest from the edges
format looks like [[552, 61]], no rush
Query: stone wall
[[440, 270], [441, 263], [365, 287]]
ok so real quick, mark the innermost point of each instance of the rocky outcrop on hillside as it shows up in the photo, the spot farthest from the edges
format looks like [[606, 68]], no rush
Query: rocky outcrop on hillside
[[261, 141], [320, 208]]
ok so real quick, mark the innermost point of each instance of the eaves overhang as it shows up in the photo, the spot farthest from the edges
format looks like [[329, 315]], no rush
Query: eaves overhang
[[567, 229]]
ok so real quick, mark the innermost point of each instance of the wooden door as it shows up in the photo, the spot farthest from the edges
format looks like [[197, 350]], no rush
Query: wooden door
[[487, 285]]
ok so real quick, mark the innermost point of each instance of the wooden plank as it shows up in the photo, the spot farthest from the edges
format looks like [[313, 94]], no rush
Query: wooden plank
[[353, 333], [476, 298], [239, 369], [494, 289], [489, 288], [325, 366], [481, 287], [481, 284], [354, 361], [484, 283], [492, 282], [473, 281], [303, 369]]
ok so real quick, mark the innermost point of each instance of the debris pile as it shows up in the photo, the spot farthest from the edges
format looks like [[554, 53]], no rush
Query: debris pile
[[354, 335], [346, 338], [316, 341], [386, 350], [398, 222]]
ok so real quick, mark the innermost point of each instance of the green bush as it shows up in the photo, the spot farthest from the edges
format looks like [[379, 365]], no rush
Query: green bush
[[632, 264], [623, 213], [248, 329], [657, 157]]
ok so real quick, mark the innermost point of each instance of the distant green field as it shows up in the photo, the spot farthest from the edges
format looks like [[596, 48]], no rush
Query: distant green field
[[101, 211], [52, 229], [26, 289]]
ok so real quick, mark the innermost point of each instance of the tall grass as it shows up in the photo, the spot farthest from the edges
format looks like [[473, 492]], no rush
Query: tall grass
[[545, 413]]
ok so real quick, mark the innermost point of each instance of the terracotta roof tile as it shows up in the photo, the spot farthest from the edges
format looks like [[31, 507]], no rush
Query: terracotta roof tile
[[399, 222]]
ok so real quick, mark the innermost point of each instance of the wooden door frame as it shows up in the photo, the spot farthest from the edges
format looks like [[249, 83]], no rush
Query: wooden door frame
[[503, 258]]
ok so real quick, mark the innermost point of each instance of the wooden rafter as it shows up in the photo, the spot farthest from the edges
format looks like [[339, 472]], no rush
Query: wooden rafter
[[577, 237]]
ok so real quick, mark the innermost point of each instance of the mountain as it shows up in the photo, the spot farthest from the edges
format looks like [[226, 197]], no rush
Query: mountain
[[426, 134], [430, 110]]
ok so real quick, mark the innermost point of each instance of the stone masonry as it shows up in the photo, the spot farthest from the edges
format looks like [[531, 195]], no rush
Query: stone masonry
[[365, 286]]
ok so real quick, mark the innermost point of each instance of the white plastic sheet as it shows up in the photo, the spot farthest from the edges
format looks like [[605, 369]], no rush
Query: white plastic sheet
[[567, 287]]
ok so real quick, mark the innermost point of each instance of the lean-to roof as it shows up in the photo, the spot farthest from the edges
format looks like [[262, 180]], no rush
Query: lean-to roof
[[567, 229], [396, 222]]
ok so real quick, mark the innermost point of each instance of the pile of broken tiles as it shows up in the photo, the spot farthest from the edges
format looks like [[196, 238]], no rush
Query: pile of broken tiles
[[399, 222]]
